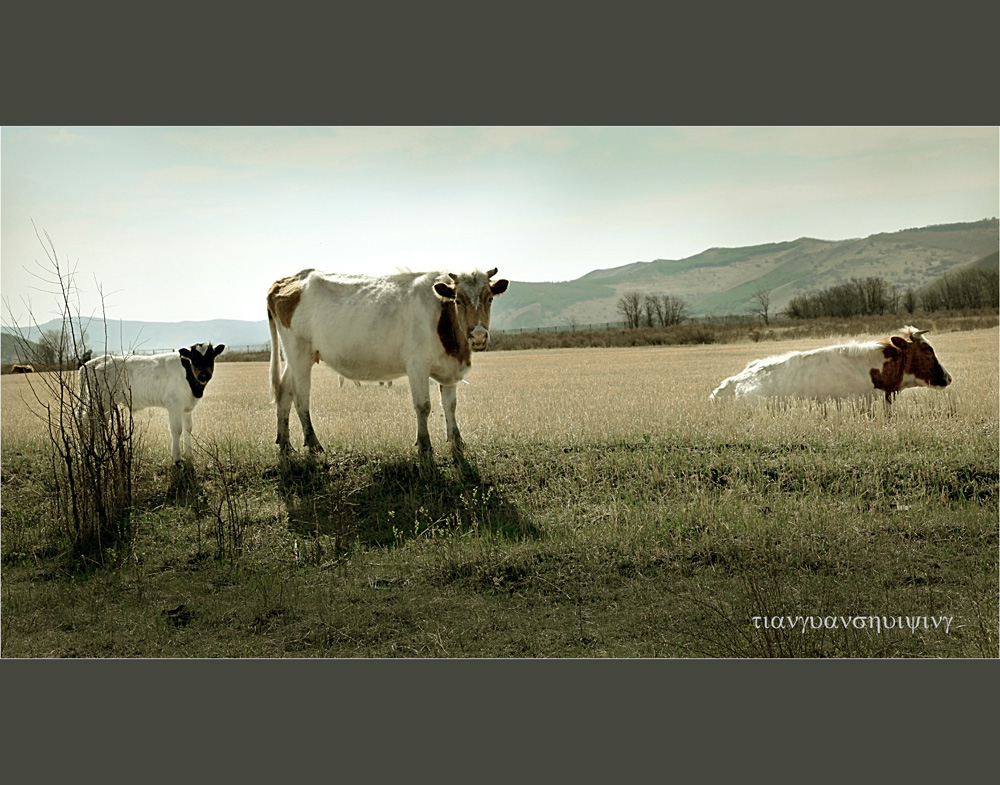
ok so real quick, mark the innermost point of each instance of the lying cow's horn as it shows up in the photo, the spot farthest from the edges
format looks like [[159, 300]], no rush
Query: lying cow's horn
[[491, 273], [918, 333]]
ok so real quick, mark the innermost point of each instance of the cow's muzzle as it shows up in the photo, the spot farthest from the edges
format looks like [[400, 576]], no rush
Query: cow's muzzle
[[941, 379], [479, 338]]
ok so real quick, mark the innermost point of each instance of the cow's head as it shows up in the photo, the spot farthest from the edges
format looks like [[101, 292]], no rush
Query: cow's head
[[909, 362], [199, 363], [473, 295]]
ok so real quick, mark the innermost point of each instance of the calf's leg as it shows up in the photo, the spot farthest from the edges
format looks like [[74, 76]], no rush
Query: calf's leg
[[175, 436], [188, 422]]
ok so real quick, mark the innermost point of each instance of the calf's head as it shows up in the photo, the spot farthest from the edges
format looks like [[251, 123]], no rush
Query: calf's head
[[473, 295], [199, 364]]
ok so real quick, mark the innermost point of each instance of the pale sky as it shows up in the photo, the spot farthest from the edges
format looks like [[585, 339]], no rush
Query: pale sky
[[193, 223]]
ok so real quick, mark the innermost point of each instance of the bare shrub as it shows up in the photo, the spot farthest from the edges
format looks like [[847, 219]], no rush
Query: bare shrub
[[232, 507], [94, 454], [693, 334]]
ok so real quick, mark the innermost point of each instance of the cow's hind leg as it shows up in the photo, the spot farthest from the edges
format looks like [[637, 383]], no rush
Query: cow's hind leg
[[302, 384], [449, 400], [283, 403], [294, 387]]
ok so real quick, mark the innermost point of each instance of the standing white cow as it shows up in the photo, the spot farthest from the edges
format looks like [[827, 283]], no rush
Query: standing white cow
[[175, 381], [853, 370], [419, 325]]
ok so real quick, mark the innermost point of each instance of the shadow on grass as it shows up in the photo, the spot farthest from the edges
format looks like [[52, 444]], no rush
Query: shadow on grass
[[377, 501], [185, 488]]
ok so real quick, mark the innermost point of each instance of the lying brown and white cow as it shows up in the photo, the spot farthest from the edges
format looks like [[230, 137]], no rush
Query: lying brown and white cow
[[419, 325], [852, 370]]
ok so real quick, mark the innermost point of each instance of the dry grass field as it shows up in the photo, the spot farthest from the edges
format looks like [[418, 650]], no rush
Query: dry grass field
[[605, 508], [558, 396]]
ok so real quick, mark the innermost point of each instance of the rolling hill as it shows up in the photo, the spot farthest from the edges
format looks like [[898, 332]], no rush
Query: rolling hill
[[724, 280], [15, 349]]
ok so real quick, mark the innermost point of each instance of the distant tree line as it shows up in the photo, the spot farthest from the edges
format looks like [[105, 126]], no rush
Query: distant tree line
[[874, 296], [61, 347], [963, 289], [651, 310]]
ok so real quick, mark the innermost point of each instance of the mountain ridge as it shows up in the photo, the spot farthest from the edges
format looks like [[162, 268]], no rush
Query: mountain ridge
[[722, 280], [718, 280]]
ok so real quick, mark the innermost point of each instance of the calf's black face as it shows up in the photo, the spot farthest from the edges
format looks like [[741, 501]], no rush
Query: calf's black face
[[199, 364]]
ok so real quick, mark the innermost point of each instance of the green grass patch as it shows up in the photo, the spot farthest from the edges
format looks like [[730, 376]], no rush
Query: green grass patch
[[610, 548]]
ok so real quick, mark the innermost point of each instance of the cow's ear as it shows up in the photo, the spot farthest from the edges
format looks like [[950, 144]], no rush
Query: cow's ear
[[184, 353], [899, 343], [219, 348], [444, 291], [499, 287]]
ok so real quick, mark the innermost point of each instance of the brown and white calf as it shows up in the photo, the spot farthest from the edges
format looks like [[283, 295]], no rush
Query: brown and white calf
[[175, 381], [22, 369], [853, 370], [419, 325]]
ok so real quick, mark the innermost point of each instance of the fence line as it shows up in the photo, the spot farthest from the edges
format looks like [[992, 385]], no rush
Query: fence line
[[246, 349], [562, 328]]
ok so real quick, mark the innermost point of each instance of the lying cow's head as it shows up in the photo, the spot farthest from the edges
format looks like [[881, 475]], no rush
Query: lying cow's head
[[199, 363], [909, 362], [473, 295]]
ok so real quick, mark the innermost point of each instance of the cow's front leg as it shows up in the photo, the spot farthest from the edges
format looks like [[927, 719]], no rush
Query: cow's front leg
[[188, 422], [449, 400], [176, 421], [420, 390]]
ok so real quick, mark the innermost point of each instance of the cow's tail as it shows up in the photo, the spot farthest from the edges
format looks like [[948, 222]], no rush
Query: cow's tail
[[275, 357]]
